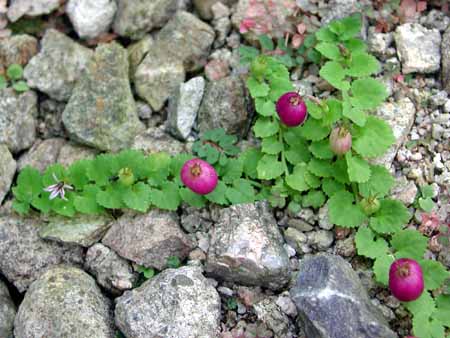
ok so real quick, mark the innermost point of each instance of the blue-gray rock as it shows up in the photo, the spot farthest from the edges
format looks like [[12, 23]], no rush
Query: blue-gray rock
[[64, 302], [177, 303], [19, 8], [332, 303], [58, 65], [247, 247], [7, 312], [101, 111], [18, 114], [7, 171]]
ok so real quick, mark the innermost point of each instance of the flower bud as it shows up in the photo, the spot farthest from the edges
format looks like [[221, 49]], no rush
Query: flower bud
[[370, 205], [340, 140], [126, 176]]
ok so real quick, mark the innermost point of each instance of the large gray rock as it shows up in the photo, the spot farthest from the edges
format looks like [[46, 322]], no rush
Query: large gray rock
[[332, 302], [7, 171], [84, 230], [24, 256], [149, 239], [400, 116], [64, 302], [71, 152], [42, 154], [7, 312], [247, 247], [113, 272], [18, 49], [176, 303], [418, 48], [18, 114], [101, 111], [155, 140], [224, 106], [90, 18], [135, 18], [445, 52], [137, 52], [19, 8], [58, 66], [183, 107], [204, 7]]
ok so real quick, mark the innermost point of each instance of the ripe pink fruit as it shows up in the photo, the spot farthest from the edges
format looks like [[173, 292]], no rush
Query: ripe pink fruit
[[406, 279], [340, 140], [199, 176], [291, 109]]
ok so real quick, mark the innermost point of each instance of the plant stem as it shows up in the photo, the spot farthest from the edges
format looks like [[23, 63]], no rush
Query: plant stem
[[355, 191], [283, 158]]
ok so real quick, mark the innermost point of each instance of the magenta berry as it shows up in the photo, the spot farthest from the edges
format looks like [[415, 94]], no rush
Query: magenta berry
[[199, 176], [406, 279], [291, 109], [340, 140]]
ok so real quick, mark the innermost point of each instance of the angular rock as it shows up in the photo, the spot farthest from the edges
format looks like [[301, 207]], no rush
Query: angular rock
[[42, 154], [84, 230], [18, 49], [338, 9], [224, 106], [270, 314], [405, 191], [19, 8], [50, 119], [332, 302], [400, 116], [48, 73], [149, 239], [134, 19], [24, 255], [7, 312], [155, 140], [320, 239], [247, 247], [378, 43], [418, 48], [184, 106], [113, 272], [137, 52], [17, 119], [445, 52], [64, 302], [175, 303], [90, 18], [101, 111], [7, 171], [204, 7], [71, 152]]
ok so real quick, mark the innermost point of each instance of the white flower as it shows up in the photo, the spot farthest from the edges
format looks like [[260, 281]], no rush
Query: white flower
[[58, 189]]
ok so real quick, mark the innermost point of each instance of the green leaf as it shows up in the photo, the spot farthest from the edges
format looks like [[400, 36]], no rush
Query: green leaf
[[192, 198], [138, 197], [29, 186], [111, 197], [62, 207], [427, 191], [422, 307], [101, 169], [176, 164], [331, 186], [173, 262], [391, 217], [297, 179], [314, 199], [346, 28], [247, 54], [250, 158], [147, 272], [379, 183], [334, 74], [157, 167], [132, 159], [409, 244], [312, 180], [321, 168], [313, 130], [3, 82], [256, 88], [329, 50], [426, 204], [381, 268], [313, 109], [76, 173], [232, 170], [358, 169], [321, 149], [42, 203], [271, 145], [296, 155], [443, 309], [265, 107], [340, 171], [354, 114], [266, 42], [167, 198], [313, 56], [355, 45], [369, 245], [309, 41], [434, 273], [363, 64], [86, 202], [14, 72], [265, 127], [333, 113], [325, 34], [20, 86], [373, 139], [21, 207], [367, 93], [218, 195], [343, 212], [241, 192], [269, 167]]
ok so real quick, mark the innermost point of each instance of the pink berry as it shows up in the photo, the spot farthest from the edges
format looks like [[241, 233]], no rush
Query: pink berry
[[199, 176], [406, 279], [291, 109], [340, 140]]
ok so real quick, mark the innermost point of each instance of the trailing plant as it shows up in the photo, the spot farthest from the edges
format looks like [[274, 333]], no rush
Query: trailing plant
[[14, 78]]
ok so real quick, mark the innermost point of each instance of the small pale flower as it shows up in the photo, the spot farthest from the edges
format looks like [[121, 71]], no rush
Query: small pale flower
[[58, 189]]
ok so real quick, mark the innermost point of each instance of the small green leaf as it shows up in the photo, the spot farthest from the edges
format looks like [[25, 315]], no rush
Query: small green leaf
[[20, 86], [333, 73], [218, 195], [297, 179], [427, 191], [266, 42], [173, 262], [14, 72], [373, 139], [367, 93], [333, 113], [358, 169], [422, 307], [192, 198], [346, 28], [409, 244], [232, 170], [329, 50], [313, 109], [379, 183], [381, 268], [340, 171], [331, 186], [256, 88], [321, 168], [111, 197], [312, 180], [426, 204], [271, 145], [265, 127], [434, 273], [62, 207], [269, 167], [86, 202], [391, 217], [241, 192], [443, 309], [369, 245], [247, 54], [343, 212], [321, 149], [167, 198], [363, 64], [138, 197], [325, 34], [313, 130], [21, 207], [29, 185], [314, 199], [3, 82], [355, 45], [265, 107], [250, 158]]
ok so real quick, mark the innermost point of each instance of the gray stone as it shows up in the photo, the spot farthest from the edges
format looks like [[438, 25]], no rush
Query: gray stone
[[333, 303], [135, 18], [58, 66], [137, 52], [84, 230], [285, 303], [155, 140], [296, 239], [144, 111], [247, 247], [405, 191], [204, 7], [17, 119], [224, 106], [445, 51], [320, 239], [19, 8], [7, 171], [175, 303], [345, 247], [90, 18], [18, 49], [113, 272], [42, 154], [324, 222], [24, 255], [270, 314], [64, 302], [378, 43], [400, 116], [418, 48], [71, 152], [101, 111], [338, 9], [149, 239], [50, 119], [436, 19], [183, 107], [7, 312]]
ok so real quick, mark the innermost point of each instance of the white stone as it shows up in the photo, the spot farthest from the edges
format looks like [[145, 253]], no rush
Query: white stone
[[19, 8]]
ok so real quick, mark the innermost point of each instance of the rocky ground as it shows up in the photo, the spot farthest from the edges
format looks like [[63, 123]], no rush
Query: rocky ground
[[151, 75]]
